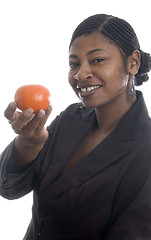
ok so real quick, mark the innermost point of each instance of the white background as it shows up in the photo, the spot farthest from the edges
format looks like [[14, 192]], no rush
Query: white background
[[34, 39]]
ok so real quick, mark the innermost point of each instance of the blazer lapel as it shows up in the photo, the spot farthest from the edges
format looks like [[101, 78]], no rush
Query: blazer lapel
[[105, 155], [71, 131]]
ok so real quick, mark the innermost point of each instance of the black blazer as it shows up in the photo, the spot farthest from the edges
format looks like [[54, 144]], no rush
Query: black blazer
[[106, 196]]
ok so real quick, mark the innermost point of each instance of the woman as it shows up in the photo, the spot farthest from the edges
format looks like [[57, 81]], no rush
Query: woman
[[90, 170]]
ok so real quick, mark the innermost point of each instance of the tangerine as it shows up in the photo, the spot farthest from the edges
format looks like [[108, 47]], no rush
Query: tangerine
[[36, 97]]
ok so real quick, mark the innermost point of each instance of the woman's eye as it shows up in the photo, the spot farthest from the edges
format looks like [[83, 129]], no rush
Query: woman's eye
[[98, 60], [73, 65]]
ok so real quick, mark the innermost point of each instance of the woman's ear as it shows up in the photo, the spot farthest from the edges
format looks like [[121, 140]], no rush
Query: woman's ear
[[134, 62]]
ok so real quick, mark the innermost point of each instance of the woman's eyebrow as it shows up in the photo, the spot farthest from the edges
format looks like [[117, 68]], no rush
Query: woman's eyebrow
[[96, 50], [88, 53], [72, 56]]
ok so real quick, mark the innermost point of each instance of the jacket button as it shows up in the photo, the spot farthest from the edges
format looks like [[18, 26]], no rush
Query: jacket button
[[38, 235], [4, 180]]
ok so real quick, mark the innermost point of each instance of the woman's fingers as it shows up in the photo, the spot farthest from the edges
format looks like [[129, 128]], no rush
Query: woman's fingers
[[20, 122], [10, 111], [44, 120], [28, 124], [32, 125]]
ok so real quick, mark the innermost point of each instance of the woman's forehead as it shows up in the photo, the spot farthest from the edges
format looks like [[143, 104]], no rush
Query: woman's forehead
[[90, 43]]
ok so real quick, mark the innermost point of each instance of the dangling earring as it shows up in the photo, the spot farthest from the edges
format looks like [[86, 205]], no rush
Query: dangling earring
[[132, 91]]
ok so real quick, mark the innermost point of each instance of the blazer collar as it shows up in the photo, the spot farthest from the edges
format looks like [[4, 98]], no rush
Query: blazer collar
[[131, 124], [132, 121]]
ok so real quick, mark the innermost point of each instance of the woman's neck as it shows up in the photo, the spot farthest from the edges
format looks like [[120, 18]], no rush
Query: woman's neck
[[109, 116]]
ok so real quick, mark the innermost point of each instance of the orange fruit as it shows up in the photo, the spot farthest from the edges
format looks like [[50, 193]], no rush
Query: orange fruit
[[36, 97]]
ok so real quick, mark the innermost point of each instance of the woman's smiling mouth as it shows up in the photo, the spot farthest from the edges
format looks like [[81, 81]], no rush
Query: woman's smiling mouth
[[87, 91]]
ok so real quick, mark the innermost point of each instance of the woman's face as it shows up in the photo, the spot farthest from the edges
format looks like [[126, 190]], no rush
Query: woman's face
[[97, 73]]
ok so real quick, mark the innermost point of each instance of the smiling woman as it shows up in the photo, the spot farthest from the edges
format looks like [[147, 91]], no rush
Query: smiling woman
[[90, 170], [98, 74]]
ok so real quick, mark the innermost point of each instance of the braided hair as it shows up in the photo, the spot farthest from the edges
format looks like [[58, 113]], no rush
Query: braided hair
[[120, 33]]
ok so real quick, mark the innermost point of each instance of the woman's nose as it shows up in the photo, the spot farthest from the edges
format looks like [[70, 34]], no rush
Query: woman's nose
[[83, 74]]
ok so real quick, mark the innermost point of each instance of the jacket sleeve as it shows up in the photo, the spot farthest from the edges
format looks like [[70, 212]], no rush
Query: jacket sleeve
[[131, 217], [16, 185]]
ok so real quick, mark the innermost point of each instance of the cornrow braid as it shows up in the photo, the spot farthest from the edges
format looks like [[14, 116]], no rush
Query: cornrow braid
[[120, 33], [89, 25]]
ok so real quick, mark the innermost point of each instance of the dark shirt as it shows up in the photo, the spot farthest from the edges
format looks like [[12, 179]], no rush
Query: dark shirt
[[105, 196]]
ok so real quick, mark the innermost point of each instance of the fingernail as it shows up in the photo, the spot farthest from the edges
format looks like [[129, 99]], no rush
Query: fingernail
[[42, 111], [30, 110]]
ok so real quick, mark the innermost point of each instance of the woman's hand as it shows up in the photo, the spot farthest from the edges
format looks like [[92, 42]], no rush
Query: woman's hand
[[28, 125], [31, 134]]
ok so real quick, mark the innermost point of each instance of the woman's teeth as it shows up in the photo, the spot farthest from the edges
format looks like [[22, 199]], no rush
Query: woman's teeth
[[88, 89]]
